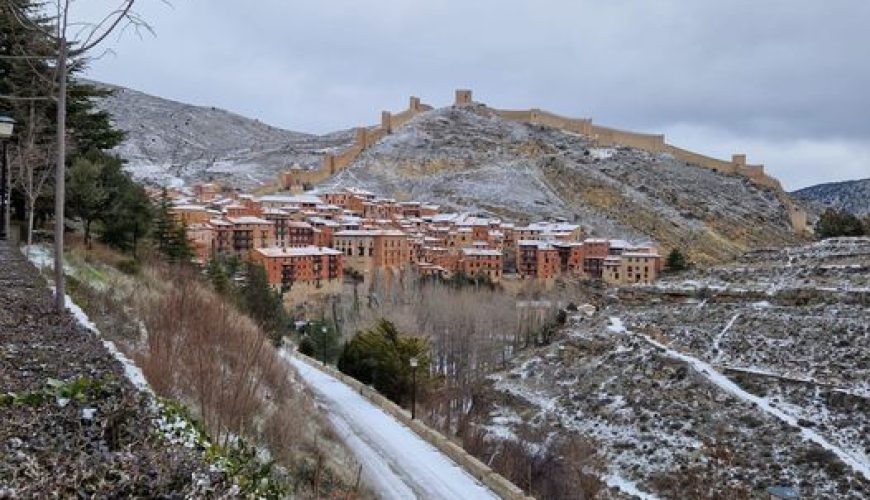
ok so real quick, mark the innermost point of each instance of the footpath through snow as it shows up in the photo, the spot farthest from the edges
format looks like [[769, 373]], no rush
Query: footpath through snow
[[708, 372], [396, 462]]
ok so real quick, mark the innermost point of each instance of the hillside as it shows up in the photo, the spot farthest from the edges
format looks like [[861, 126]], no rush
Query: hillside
[[851, 196], [169, 142], [713, 384], [469, 158]]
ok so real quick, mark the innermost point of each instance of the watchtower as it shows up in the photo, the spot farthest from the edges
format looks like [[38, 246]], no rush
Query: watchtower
[[463, 97]]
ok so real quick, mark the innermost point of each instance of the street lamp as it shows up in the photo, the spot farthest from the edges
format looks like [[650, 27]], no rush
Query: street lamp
[[323, 344], [7, 124], [414, 363]]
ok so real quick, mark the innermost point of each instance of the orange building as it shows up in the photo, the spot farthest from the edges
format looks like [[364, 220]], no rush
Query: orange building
[[368, 249], [249, 233], [571, 255], [537, 259], [481, 262], [189, 214], [308, 268], [595, 250]]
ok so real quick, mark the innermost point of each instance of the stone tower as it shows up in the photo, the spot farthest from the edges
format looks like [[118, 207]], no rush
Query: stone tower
[[463, 97]]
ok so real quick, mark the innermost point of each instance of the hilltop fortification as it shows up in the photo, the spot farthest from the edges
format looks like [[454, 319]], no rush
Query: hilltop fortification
[[600, 136]]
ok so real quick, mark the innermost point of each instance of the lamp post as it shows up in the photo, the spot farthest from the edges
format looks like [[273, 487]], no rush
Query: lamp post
[[7, 124], [323, 344], [413, 362]]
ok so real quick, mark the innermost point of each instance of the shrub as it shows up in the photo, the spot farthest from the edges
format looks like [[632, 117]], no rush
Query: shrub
[[129, 266]]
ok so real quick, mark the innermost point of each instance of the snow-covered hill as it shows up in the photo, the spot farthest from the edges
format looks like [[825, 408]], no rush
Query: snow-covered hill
[[851, 196], [169, 142], [717, 383], [471, 159]]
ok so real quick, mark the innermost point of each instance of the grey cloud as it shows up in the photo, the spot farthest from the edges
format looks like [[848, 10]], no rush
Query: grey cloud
[[778, 73]]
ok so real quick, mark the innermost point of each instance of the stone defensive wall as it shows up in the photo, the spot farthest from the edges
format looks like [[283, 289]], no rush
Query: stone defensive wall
[[653, 143], [600, 136], [482, 472], [335, 162]]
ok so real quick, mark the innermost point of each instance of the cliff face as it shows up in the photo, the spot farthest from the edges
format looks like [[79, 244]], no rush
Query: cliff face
[[851, 196], [169, 142], [469, 158]]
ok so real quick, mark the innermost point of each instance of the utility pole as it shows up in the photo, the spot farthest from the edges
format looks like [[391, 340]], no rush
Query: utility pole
[[60, 177]]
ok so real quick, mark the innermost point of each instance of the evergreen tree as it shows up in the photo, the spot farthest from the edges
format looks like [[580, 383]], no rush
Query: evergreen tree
[[86, 196], [833, 223], [324, 341], [676, 261], [217, 275], [262, 303], [171, 236], [30, 83], [381, 357]]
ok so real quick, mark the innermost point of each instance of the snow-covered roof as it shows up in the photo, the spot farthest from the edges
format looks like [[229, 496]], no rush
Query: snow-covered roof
[[291, 199], [542, 245], [482, 252], [640, 254], [370, 232], [247, 219], [187, 208], [309, 251]]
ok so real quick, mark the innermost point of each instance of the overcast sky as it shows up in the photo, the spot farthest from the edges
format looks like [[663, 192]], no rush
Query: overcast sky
[[786, 81]]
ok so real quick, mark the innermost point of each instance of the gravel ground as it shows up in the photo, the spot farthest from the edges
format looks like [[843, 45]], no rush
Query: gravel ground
[[71, 424]]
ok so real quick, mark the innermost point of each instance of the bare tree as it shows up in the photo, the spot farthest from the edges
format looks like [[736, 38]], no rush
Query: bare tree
[[73, 42]]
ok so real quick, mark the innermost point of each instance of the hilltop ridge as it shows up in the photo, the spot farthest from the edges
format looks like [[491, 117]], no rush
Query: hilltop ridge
[[469, 157], [851, 196], [173, 143]]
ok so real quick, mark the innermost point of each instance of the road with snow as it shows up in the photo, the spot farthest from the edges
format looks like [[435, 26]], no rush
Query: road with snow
[[396, 462]]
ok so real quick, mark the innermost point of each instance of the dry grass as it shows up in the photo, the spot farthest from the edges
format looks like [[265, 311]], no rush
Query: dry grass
[[195, 347]]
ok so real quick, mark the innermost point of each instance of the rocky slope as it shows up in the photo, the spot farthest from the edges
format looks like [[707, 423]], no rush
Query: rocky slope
[[169, 142], [851, 196], [468, 158], [715, 384]]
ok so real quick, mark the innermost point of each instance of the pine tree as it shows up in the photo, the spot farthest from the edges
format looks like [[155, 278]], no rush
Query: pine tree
[[833, 223], [676, 261]]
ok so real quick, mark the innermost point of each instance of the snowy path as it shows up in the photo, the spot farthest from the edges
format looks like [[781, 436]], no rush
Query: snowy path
[[860, 464], [396, 462], [721, 335]]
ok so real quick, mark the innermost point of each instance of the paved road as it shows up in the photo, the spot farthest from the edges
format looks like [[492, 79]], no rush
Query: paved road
[[396, 462]]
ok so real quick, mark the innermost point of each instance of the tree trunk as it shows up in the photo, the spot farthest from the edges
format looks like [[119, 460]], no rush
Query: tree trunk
[[29, 223], [59, 184]]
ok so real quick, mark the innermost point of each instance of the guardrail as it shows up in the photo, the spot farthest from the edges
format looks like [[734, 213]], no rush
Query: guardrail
[[482, 472]]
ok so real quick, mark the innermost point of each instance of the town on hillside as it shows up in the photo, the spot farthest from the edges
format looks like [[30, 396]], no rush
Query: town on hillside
[[308, 242]]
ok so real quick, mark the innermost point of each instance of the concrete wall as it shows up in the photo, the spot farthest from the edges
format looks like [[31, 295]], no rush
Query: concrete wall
[[494, 481]]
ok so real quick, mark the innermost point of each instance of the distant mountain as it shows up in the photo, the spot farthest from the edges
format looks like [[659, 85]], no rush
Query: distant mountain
[[169, 142], [469, 158], [851, 196]]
